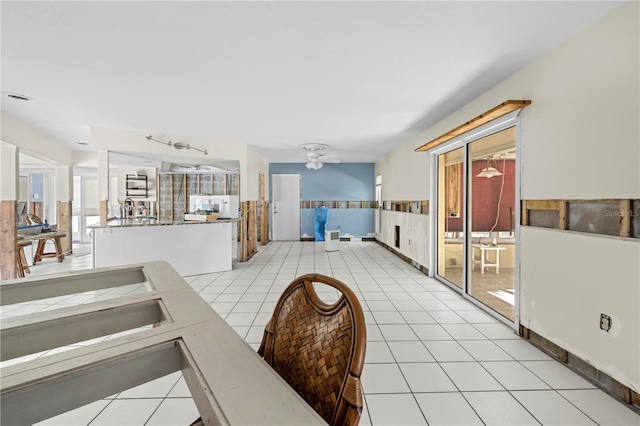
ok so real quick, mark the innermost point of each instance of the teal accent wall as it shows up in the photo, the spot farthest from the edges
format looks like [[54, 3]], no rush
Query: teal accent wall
[[334, 182]]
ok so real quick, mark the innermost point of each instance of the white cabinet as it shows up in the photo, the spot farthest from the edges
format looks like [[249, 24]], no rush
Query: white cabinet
[[191, 249]]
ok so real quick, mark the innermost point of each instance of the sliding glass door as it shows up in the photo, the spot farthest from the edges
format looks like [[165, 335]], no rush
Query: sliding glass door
[[451, 259], [476, 219], [491, 210]]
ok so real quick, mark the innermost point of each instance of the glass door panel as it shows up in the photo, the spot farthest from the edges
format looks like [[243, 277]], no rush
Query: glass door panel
[[490, 207], [450, 255]]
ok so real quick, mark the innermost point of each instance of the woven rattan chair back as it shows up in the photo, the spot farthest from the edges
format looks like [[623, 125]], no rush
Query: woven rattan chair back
[[32, 219], [319, 348]]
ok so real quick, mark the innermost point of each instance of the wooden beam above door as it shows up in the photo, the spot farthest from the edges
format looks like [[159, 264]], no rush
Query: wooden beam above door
[[496, 112]]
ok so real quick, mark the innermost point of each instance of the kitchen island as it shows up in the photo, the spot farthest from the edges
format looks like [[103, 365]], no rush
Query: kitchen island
[[190, 247]]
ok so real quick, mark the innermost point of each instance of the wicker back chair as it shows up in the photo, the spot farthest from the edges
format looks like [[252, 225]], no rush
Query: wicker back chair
[[319, 348], [32, 219]]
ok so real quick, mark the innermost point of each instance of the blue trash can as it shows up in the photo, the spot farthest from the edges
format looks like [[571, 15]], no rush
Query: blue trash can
[[320, 215]]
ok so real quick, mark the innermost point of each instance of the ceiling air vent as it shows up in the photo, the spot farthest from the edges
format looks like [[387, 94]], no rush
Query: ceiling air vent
[[17, 96]]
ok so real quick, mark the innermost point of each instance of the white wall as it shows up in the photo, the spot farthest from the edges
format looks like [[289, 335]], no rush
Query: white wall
[[584, 113], [580, 141], [33, 142], [85, 159], [414, 234], [584, 100], [568, 280], [405, 174]]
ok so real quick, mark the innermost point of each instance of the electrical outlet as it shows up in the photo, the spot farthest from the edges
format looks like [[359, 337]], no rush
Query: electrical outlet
[[605, 322]]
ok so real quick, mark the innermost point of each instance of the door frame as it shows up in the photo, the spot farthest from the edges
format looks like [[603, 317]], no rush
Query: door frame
[[378, 197], [509, 120]]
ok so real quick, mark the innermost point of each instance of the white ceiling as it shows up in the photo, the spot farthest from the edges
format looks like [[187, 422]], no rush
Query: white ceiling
[[362, 77]]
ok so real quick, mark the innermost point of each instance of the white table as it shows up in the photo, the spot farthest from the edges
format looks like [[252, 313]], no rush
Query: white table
[[481, 256], [229, 382]]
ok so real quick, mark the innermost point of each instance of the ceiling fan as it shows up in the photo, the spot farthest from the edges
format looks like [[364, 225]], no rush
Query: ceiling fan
[[315, 160]]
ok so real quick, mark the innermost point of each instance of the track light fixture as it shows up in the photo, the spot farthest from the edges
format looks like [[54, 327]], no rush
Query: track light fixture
[[177, 145]]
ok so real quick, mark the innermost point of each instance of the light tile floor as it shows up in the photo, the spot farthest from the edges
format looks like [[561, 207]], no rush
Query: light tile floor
[[432, 358]]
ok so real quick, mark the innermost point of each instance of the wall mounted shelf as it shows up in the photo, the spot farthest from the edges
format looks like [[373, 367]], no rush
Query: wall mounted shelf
[[137, 186]]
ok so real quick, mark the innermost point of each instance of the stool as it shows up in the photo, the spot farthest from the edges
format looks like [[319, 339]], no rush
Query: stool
[[42, 240], [22, 266]]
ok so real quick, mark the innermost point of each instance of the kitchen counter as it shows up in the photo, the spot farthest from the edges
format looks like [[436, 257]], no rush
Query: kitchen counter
[[152, 221], [195, 249]]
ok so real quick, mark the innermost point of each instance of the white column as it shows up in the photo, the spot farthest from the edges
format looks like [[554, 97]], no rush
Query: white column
[[64, 183], [10, 166], [103, 175]]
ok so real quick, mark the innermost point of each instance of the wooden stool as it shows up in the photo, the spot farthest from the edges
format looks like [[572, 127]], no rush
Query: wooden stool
[[42, 240], [22, 266]]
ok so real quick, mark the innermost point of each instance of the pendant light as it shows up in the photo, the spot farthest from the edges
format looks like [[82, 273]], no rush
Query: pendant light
[[489, 171]]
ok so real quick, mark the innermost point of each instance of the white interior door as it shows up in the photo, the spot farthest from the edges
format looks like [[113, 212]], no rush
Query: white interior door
[[286, 207]]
